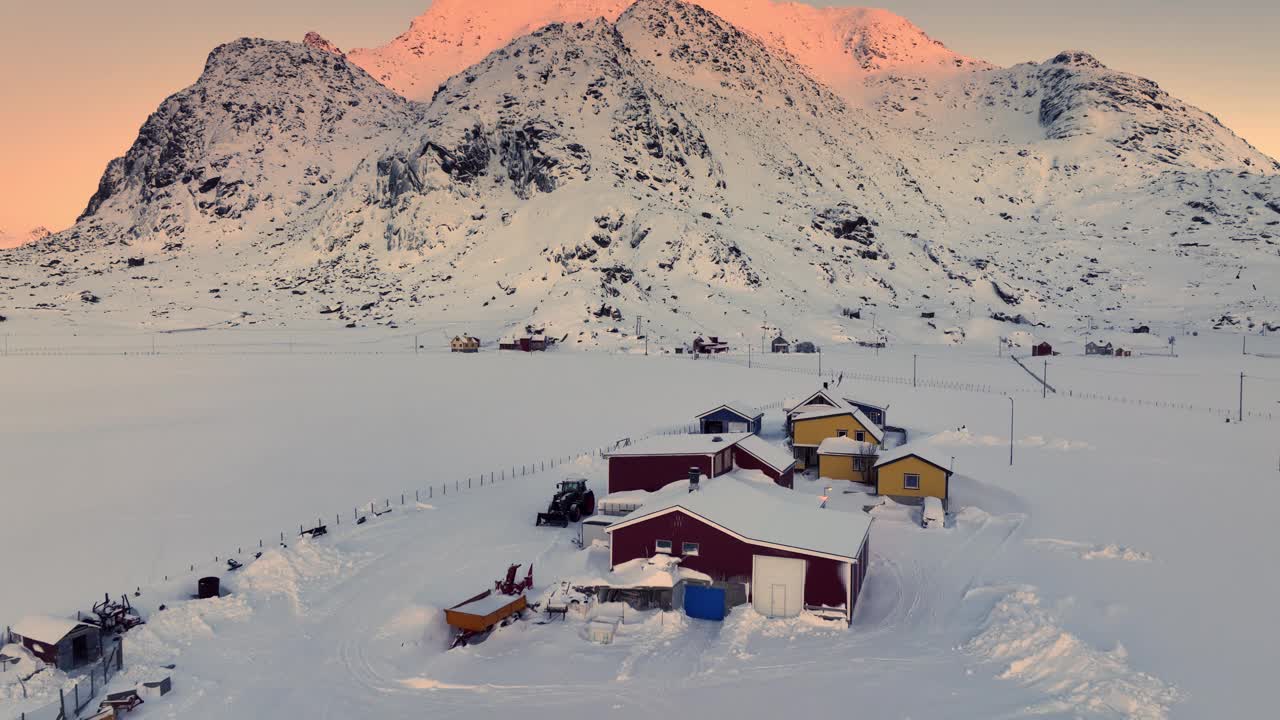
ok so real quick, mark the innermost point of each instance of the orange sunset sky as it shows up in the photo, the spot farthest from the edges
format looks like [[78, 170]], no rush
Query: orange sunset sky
[[79, 77]]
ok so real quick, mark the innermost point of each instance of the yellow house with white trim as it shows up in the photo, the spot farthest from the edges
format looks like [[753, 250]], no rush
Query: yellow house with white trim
[[809, 429], [843, 458], [909, 472]]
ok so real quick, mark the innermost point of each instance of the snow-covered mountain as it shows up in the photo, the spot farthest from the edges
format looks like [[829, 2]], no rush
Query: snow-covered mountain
[[772, 164]]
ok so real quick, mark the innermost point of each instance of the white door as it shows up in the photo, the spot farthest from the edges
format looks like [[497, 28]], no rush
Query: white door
[[777, 586]]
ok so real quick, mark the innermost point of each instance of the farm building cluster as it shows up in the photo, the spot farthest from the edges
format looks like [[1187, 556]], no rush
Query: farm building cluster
[[531, 340], [716, 517]]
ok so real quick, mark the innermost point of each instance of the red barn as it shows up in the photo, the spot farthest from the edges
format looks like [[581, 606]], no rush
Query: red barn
[[653, 464], [1043, 349], [755, 453], [790, 554]]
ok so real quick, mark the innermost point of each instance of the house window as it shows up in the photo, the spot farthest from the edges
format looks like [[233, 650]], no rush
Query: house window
[[689, 548], [860, 436], [911, 481], [662, 546], [842, 433]]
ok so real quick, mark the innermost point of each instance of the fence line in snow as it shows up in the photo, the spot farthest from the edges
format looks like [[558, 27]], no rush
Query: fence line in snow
[[832, 373], [84, 690]]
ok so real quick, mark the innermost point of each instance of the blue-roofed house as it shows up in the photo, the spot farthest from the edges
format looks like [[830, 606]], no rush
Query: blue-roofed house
[[732, 417]]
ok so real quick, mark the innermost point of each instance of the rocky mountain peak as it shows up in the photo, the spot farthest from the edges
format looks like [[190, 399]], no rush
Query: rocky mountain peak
[[318, 42]]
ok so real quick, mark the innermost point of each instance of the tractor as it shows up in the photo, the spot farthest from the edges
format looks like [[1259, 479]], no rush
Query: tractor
[[571, 503]]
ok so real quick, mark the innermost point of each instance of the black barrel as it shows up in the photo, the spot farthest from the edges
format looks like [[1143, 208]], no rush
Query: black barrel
[[208, 587]]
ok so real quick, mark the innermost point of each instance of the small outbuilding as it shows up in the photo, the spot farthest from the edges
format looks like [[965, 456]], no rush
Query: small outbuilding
[[1094, 348], [62, 642], [788, 554], [595, 529], [1044, 349], [654, 463], [780, 345], [843, 458], [912, 472], [732, 417]]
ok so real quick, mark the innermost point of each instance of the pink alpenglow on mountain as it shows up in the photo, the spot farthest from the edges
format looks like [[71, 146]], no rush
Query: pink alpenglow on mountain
[[839, 45]]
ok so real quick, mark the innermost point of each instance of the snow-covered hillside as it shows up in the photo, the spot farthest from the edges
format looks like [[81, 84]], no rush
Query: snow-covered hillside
[[774, 164]]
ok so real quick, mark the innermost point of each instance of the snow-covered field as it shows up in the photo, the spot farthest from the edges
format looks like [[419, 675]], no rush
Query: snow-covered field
[[1097, 576]]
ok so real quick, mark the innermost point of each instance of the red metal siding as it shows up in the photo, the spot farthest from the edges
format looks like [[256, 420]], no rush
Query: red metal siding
[[652, 472], [723, 556], [744, 459]]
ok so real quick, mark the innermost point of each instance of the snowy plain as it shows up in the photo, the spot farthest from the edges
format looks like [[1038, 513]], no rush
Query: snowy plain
[[1102, 575]]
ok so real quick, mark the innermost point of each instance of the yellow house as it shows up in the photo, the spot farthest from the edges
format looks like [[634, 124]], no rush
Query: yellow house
[[809, 429], [843, 458], [465, 344], [909, 472]]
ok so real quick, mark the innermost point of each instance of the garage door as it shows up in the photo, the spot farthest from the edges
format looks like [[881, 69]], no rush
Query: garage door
[[777, 586]]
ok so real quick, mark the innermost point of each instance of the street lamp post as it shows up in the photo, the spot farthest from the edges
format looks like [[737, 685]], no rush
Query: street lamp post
[[1010, 431]]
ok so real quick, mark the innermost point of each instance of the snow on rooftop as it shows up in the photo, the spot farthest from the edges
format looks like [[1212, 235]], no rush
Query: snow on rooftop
[[922, 449], [764, 513], [45, 628], [766, 452], [861, 417], [657, 571], [703, 444], [746, 410], [791, 404], [490, 603], [845, 446]]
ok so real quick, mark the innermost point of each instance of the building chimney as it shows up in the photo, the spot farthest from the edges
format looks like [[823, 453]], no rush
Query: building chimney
[[695, 474]]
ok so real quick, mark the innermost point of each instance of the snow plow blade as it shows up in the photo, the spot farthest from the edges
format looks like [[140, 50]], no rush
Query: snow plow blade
[[556, 519]]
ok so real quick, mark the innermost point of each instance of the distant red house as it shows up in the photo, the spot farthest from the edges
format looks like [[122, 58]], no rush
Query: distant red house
[[710, 346], [1042, 349], [789, 554], [529, 342], [652, 464]]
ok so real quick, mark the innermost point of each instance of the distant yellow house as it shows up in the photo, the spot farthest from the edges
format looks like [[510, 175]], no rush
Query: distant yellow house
[[843, 458], [910, 472], [465, 344], [809, 429]]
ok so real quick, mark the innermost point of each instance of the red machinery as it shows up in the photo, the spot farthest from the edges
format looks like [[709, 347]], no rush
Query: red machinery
[[509, 586]]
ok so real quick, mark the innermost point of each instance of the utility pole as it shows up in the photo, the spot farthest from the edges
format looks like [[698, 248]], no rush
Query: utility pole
[[913, 370], [1044, 380], [1240, 416], [415, 344], [1244, 344], [1010, 431], [748, 357], [819, 362]]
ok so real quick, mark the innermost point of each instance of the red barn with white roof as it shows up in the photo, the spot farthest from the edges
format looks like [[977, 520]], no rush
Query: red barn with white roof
[[790, 553]]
